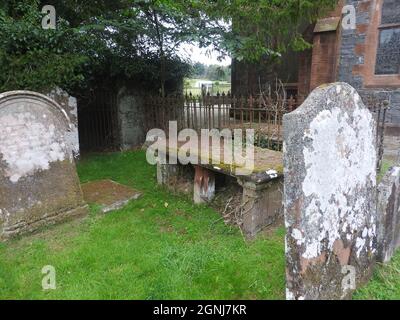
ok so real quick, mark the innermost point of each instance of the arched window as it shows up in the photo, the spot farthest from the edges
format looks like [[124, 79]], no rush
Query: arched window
[[388, 51]]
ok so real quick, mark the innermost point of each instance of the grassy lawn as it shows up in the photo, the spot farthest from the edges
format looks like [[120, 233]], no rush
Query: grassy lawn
[[158, 247]]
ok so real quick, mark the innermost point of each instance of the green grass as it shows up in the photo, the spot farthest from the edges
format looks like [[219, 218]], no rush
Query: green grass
[[147, 250], [385, 285], [158, 247], [386, 165]]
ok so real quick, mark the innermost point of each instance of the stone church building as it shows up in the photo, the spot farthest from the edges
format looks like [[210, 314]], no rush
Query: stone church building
[[367, 57]]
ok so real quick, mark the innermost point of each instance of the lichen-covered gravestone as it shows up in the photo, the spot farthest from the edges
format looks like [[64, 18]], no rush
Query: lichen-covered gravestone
[[389, 215], [38, 180], [329, 198]]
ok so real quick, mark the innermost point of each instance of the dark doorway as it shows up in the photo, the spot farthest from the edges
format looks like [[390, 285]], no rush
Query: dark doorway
[[98, 122]]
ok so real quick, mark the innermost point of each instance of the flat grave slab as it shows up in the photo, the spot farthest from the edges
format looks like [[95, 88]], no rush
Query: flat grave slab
[[265, 161], [109, 194]]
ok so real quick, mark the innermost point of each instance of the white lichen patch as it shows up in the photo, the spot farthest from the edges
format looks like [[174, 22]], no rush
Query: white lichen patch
[[272, 174], [340, 163], [28, 145], [395, 171], [72, 138], [289, 295], [73, 106], [298, 236], [69, 106]]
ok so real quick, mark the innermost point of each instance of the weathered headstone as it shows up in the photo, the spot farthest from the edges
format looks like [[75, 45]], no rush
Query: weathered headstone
[[38, 180], [389, 215], [329, 198]]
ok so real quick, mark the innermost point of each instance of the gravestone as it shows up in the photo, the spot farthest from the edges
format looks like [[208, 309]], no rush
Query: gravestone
[[38, 180], [389, 215], [329, 198]]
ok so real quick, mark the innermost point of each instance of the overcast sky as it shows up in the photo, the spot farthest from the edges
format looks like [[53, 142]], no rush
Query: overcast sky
[[200, 55]]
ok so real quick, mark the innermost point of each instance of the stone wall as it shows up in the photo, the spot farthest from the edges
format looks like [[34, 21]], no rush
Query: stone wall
[[131, 118], [353, 59]]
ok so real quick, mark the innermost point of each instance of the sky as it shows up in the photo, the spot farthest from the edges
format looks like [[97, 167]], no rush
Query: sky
[[200, 55]]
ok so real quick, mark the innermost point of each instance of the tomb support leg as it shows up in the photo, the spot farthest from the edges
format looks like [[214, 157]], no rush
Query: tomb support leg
[[261, 205], [166, 173], [204, 185]]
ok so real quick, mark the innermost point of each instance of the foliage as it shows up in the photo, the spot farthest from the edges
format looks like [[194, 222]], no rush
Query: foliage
[[198, 70], [139, 40], [93, 43], [33, 58], [264, 28]]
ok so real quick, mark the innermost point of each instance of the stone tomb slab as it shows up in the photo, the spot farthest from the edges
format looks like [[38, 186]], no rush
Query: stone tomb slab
[[109, 194], [261, 190], [38, 180]]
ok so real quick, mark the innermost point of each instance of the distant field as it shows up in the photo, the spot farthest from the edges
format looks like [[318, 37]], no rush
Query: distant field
[[218, 86]]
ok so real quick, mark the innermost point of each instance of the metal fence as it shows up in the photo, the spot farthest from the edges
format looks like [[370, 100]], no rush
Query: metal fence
[[263, 114], [98, 122], [379, 110]]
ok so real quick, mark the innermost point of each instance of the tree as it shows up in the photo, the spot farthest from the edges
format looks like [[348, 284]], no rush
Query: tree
[[199, 70], [94, 40], [216, 72], [264, 28], [131, 39], [33, 58], [165, 26]]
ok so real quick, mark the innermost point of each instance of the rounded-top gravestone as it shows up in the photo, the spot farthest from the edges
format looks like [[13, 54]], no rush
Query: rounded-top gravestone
[[38, 180]]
